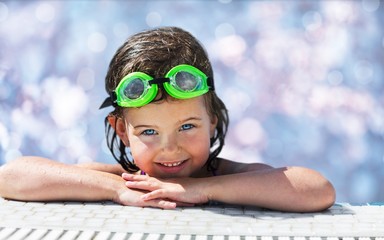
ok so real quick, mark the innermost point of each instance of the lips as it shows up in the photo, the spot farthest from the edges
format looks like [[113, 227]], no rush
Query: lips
[[174, 164], [172, 167]]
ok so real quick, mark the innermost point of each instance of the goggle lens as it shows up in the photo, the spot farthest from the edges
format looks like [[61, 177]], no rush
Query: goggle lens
[[185, 81], [134, 89]]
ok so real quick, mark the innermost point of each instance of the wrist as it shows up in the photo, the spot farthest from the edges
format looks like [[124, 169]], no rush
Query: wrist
[[211, 188], [113, 185], [208, 188]]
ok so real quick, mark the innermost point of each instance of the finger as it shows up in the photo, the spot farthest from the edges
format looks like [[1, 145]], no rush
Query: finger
[[132, 177], [142, 185], [156, 194], [158, 203], [164, 204], [169, 203], [163, 194]]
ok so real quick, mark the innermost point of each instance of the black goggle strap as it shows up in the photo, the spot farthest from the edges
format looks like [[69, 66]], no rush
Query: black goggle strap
[[158, 81], [210, 82], [111, 100]]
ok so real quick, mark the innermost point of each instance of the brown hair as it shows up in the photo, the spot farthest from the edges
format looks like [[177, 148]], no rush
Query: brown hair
[[155, 52]]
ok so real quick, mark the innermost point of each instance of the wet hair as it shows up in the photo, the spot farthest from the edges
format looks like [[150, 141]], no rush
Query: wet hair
[[155, 52]]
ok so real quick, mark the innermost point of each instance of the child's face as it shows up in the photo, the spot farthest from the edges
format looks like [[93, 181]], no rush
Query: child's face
[[169, 138]]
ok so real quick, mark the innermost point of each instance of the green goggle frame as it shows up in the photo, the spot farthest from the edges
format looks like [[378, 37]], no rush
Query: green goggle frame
[[138, 89]]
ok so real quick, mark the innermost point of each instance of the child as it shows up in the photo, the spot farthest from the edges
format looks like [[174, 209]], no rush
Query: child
[[166, 111]]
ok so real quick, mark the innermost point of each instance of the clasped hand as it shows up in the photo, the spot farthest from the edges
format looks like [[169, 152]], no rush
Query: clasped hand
[[163, 193]]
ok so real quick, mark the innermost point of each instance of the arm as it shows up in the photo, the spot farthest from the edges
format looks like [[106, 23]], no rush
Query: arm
[[288, 189], [110, 168], [40, 179]]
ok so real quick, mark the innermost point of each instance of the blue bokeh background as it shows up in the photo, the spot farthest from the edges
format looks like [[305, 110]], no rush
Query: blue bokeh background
[[303, 80]]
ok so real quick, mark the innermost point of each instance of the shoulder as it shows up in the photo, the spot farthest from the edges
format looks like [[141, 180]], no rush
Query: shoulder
[[226, 166]]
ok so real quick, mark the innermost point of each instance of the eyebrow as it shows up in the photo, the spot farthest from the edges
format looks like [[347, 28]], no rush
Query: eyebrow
[[143, 126], [191, 119], [181, 121]]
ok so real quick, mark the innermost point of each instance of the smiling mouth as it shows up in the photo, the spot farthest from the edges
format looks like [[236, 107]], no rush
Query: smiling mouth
[[175, 164]]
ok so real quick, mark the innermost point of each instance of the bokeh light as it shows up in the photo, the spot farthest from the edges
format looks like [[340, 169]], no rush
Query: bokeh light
[[303, 80]]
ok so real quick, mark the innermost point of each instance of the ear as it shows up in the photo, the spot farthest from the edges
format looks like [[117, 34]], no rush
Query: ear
[[213, 125], [120, 128]]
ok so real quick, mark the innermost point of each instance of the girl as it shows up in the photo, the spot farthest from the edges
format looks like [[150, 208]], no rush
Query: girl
[[166, 112]]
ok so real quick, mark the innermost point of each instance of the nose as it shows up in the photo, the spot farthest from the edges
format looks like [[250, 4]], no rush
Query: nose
[[170, 143]]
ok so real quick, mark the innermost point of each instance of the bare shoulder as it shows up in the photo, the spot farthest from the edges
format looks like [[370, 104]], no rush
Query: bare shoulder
[[230, 167]]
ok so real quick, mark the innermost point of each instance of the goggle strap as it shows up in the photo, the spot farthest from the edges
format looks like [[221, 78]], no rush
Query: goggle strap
[[158, 81], [210, 83], [109, 101]]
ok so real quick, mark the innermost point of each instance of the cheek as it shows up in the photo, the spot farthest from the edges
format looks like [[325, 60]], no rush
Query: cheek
[[198, 145], [141, 152]]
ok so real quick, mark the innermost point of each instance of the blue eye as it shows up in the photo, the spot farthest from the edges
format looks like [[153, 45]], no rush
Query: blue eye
[[149, 132], [187, 127]]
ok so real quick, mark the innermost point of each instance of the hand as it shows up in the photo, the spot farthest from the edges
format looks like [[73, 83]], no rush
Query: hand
[[131, 197], [183, 191]]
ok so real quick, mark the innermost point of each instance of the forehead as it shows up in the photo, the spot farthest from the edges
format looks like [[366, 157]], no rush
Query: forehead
[[168, 109]]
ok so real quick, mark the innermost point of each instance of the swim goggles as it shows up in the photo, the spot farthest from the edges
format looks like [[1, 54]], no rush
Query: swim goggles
[[138, 89]]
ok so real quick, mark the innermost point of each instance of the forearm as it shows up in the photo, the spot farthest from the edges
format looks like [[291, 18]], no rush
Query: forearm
[[39, 179], [109, 168], [286, 189]]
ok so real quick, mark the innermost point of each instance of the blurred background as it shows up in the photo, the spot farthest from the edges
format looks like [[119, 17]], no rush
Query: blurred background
[[303, 80]]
